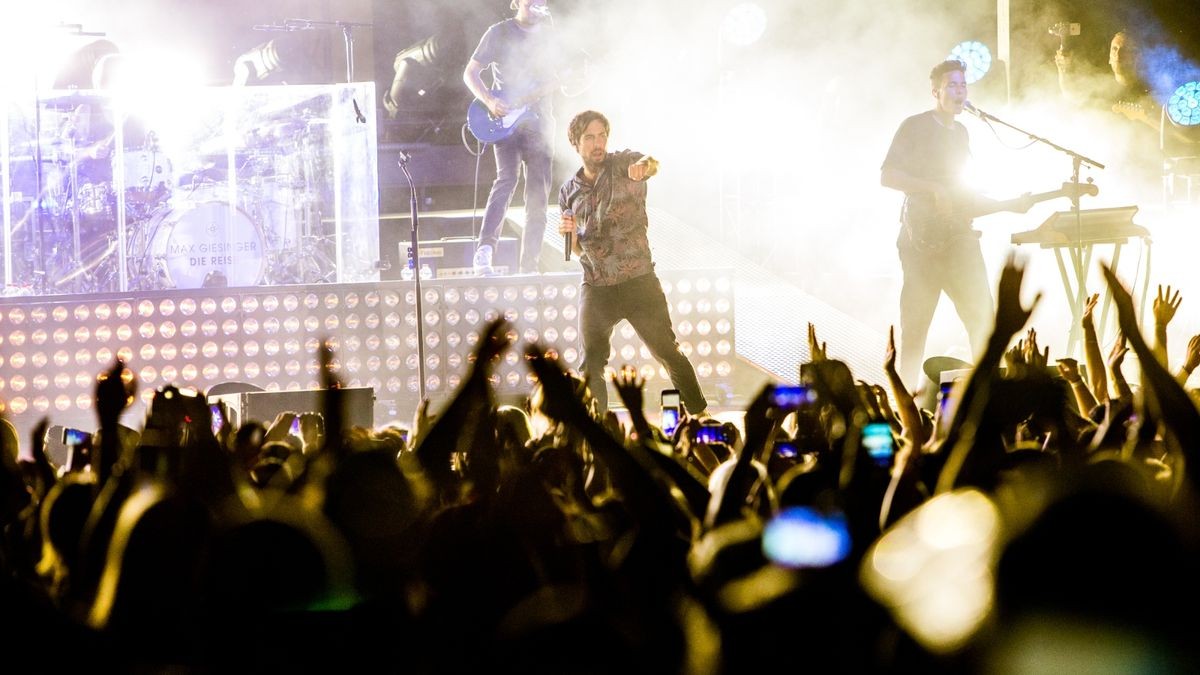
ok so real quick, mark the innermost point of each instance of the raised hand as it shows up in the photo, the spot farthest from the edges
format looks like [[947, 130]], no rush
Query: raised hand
[[889, 355], [1084, 398], [885, 406], [422, 423], [1035, 358], [816, 348], [114, 393], [1010, 315], [869, 399], [1115, 358], [495, 339], [1119, 349], [1014, 358], [1165, 306], [560, 401], [629, 385], [1192, 359], [1126, 314], [281, 427], [1089, 308], [1069, 369]]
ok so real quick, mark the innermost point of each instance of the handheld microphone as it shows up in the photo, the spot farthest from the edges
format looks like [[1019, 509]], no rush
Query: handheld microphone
[[970, 107], [567, 238]]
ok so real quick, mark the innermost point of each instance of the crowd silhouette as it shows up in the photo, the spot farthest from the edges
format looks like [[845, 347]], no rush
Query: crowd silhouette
[[1038, 518]]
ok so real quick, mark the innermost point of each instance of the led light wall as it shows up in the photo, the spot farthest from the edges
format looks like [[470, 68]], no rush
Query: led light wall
[[52, 348]]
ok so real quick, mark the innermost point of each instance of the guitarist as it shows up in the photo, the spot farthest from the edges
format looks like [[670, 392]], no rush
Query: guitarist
[[523, 56], [939, 252]]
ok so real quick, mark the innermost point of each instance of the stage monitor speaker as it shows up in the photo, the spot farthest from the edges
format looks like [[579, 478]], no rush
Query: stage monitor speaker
[[451, 258], [358, 407]]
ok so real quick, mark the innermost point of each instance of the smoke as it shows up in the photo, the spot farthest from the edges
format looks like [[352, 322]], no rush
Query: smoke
[[777, 146]]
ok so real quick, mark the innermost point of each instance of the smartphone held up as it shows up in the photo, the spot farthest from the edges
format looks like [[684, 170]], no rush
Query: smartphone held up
[[669, 404]]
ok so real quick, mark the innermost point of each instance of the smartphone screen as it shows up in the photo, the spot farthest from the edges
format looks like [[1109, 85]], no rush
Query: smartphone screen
[[711, 434], [669, 402], [670, 420], [945, 409], [75, 437], [944, 395], [791, 396], [295, 429], [800, 537], [786, 449], [217, 420], [881, 446]]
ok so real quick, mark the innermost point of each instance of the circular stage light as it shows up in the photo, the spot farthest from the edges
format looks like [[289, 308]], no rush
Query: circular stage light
[[744, 24], [1184, 105], [976, 56]]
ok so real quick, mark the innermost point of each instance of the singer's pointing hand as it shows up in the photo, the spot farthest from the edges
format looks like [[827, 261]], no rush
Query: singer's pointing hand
[[643, 168], [567, 224]]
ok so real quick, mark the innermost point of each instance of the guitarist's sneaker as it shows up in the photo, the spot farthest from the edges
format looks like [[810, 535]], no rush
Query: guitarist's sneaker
[[483, 261]]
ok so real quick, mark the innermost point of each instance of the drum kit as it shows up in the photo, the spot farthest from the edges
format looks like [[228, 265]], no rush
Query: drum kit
[[201, 226]]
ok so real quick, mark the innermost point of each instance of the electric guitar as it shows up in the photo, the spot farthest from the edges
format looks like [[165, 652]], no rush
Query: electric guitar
[[489, 129], [1137, 112], [930, 231]]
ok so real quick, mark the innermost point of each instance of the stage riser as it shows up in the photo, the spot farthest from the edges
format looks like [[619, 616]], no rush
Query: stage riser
[[51, 348]]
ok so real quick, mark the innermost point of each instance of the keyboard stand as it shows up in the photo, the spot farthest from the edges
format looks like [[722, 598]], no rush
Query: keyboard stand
[[1079, 233]]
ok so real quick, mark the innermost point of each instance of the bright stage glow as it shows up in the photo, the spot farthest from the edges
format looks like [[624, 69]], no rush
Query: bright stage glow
[[164, 89], [976, 56], [34, 45], [744, 24], [1184, 105]]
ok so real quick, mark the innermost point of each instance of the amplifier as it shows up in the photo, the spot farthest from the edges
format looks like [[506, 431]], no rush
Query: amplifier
[[453, 257]]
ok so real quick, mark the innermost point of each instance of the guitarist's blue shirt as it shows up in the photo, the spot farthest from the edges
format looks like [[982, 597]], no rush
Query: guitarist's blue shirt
[[610, 215], [523, 62]]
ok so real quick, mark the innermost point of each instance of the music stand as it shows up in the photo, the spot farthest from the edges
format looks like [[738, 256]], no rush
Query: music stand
[[1079, 232]]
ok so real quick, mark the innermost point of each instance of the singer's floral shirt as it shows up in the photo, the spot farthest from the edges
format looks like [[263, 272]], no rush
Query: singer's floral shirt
[[611, 222]]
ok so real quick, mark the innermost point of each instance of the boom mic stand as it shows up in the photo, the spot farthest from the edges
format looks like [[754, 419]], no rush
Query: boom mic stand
[[1077, 161], [415, 254]]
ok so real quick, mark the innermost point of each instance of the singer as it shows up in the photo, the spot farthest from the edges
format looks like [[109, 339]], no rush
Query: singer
[[604, 212], [925, 162], [523, 55]]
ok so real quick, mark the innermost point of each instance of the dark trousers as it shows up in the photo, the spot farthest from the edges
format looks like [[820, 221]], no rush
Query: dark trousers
[[956, 269], [641, 301], [530, 146]]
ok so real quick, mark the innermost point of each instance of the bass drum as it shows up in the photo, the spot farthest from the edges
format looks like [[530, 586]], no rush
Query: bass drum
[[195, 245]]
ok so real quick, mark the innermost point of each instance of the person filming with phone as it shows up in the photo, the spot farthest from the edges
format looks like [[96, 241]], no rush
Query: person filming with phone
[[604, 214]]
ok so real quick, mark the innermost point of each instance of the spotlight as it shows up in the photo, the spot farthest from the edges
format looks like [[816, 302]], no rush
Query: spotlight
[[1184, 105], [744, 24], [976, 56]]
